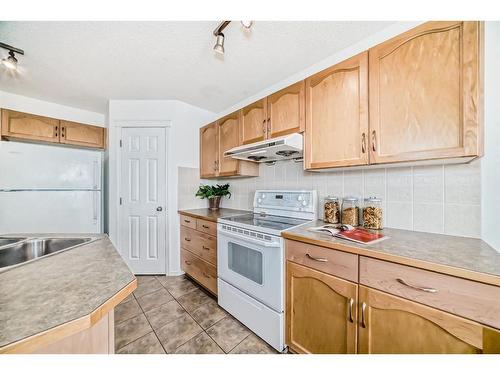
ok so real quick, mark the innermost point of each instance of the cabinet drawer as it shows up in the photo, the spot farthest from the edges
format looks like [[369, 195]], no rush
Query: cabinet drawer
[[201, 244], [469, 299], [188, 221], [333, 262], [198, 269], [205, 226]]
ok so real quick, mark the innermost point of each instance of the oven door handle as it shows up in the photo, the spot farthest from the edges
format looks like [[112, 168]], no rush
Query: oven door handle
[[250, 240]]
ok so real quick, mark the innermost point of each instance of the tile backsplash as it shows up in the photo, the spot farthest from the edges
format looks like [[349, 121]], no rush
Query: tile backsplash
[[441, 199]]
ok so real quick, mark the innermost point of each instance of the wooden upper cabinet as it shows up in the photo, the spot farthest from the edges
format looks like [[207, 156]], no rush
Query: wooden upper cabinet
[[321, 314], [229, 137], [286, 111], [253, 122], [337, 115], [209, 150], [425, 93], [21, 125], [417, 329], [73, 133]]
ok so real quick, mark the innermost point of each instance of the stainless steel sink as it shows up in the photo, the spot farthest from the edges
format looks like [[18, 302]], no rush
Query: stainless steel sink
[[36, 248], [9, 240]]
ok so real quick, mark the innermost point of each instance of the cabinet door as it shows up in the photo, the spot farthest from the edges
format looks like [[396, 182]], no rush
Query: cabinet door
[[286, 111], [253, 122], [229, 137], [320, 311], [73, 133], [26, 126], [425, 94], [209, 150], [337, 115], [392, 325]]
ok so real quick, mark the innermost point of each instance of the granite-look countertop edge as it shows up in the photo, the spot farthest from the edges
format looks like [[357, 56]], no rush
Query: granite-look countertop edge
[[41, 295], [463, 257], [207, 214]]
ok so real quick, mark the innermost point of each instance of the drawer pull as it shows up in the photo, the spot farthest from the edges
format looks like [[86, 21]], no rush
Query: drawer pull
[[187, 239], [205, 226], [187, 221], [316, 259], [363, 318], [421, 288], [187, 262], [206, 275], [351, 303], [205, 248]]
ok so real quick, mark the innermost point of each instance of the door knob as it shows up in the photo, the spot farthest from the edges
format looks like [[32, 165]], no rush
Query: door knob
[[159, 208]]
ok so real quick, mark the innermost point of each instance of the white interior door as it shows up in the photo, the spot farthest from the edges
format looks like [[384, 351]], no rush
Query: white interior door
[[143, 199]]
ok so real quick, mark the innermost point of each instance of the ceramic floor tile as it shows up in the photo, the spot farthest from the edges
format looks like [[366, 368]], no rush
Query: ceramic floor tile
[[178, 285], [142, 279], [147, 287], [155, 299], [127, 310], [208, 314], [147, 344], [165, 314], [201, 344], [130, 330], [253, 345], [178, 332], [228, 333], [192, 300]]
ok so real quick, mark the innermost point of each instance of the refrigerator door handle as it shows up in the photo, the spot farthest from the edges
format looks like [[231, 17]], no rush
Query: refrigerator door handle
[[95, 208], [96, 177]]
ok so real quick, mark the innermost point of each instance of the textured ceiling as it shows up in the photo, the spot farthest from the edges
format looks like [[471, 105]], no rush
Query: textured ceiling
[[84, 64]]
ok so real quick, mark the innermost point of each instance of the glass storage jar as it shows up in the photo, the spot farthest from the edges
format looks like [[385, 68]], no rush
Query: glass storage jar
[[372, 213], [350, 211], [332, 210]]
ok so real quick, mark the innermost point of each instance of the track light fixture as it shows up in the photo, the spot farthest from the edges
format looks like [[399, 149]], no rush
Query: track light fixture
[[11, 61], [219, 43]]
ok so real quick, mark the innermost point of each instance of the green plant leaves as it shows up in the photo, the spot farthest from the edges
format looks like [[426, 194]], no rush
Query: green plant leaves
[[208, 191]]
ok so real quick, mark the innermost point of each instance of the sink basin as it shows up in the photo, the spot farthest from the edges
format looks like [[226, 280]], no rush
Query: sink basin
[[36, 248], [9, 240]]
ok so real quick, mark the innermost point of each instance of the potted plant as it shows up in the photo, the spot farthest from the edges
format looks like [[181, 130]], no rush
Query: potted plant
[[213, 194]]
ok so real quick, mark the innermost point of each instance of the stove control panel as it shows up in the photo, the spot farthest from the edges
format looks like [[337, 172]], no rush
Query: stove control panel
[[292, 201]]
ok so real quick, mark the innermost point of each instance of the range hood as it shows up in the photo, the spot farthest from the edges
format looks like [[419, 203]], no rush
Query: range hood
[[275, 149]]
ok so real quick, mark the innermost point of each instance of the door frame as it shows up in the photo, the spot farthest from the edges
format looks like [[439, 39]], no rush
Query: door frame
[[115, 135]]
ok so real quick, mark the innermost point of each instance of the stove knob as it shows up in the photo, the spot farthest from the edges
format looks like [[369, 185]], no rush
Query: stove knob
[[259, 200], [304, 203], [263, 196], [300, 198]]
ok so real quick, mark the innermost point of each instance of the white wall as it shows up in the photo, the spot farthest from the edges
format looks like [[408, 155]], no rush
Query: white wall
[[490, 165], [184, 121], [43, 108]]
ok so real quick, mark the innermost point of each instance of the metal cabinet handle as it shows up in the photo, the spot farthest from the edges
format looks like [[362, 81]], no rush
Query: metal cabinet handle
[[187, 262], [317, 259], [56, 129], [205, 248], [351, 303], [62, 131], [374, 141], [421, 288], [187, 239], [187, 221], [206, 275], [205, 226], [363, 143], [363, 318]]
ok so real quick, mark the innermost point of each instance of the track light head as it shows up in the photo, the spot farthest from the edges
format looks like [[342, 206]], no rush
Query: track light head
[[219, 44], [11, 61]]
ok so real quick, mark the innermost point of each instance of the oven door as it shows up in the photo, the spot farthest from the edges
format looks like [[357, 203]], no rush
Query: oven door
[[253, 266]]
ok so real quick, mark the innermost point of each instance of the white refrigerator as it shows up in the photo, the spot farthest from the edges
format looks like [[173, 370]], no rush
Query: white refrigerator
[[50, 189]]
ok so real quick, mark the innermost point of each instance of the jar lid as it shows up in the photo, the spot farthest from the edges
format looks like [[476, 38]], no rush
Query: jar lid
[[351, 199], [373, 199], [332, 198]]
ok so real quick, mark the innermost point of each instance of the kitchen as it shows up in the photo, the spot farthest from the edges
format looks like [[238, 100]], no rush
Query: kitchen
[[346, 200]]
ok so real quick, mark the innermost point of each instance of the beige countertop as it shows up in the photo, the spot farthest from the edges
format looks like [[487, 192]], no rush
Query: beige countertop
[[458, 256], [207, 214], [43, 295]]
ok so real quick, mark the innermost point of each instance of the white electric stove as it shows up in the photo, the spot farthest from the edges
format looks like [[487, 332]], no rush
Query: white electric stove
[[251, 259]]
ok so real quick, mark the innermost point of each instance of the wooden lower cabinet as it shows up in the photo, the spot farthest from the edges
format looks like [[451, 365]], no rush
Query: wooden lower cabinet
[[393, 325], [320, 311], [200, 270]]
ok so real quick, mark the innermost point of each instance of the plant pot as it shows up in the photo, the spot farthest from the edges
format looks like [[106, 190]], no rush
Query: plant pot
[[214, 203]]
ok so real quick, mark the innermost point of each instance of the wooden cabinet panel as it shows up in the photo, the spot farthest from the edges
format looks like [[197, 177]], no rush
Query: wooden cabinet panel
[[334, 262], [425, 94], [416, 329], [337, 115], [209, 150], [206, 226], [286, 111], [188, 221], [200, 244], [229, 137], [320, 311], [469, 299], [73, 133], [253, 122], [26, 126], [201, 271]]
